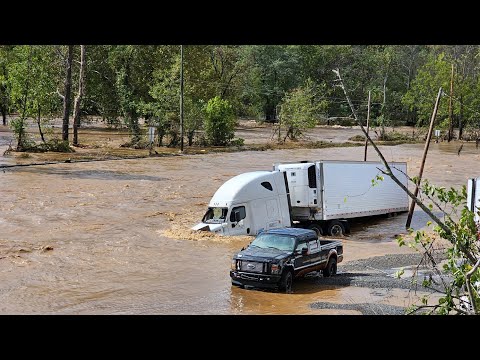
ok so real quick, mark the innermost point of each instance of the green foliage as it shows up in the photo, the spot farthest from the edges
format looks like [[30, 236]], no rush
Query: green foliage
[[219, 122], [299, 110], [33, 78], [398, 274], [55, 145], [127, 82], [461, 256], [133, 66], [237, 142], [421, 96], [376, 180]]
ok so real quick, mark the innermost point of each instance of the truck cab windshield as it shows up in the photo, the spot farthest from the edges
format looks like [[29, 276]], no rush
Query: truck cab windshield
[[274, 241], [215, 215]]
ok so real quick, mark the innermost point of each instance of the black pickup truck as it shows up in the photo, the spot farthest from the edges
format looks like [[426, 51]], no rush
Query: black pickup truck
[[277, 256]]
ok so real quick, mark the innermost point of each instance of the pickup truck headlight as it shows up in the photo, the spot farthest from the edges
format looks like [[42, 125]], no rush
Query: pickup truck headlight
[[276, 268], [234, 265]]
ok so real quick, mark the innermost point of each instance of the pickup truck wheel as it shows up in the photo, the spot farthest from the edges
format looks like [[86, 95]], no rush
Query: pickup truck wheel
[[331, 268], [336, 228], [286, 281], [317, 228]]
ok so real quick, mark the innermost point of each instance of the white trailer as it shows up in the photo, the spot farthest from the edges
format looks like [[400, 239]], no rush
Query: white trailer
[[319, 195], [324, 191]]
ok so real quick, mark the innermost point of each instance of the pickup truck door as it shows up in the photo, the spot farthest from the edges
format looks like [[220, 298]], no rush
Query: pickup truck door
[[314, 256], [300, 260]]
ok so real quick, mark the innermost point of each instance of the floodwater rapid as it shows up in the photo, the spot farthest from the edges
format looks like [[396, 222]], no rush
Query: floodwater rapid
[[112, 237]]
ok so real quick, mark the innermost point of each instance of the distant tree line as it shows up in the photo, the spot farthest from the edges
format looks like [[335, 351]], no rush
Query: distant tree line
[[124, 83]]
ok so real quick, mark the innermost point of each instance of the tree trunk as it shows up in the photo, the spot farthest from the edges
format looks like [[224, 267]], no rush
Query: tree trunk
[[460, 120], [450, 108], [68, 88], [190, 136], [4, 115], [383, 105], [39, 123], [78, 98], [21, 131]]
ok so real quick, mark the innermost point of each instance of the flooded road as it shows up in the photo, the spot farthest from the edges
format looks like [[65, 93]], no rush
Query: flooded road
[[112, 237]]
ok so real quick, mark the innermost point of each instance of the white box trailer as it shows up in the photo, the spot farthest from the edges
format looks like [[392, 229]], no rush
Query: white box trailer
[[325, 190], [319, 195]]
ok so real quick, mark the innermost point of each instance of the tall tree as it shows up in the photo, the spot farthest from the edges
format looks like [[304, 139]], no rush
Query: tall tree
[[431, 76], [78, 98], [5, 58], [299, 110], [133, 67], [66, 97], [33, 79]]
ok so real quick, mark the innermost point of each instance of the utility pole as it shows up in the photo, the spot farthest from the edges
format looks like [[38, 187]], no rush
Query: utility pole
[[368, 125], [450, 109], [429, 136], [181, 98]]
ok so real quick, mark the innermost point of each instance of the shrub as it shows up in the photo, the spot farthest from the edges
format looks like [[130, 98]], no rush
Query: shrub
[[219, 122]]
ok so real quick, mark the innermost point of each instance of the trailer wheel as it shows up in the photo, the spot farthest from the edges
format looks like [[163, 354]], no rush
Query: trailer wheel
[[317, 228], [331, 268], [336, 228], [286, 281]]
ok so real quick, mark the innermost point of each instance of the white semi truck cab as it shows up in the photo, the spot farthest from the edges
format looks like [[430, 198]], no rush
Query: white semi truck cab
[[247, 204]]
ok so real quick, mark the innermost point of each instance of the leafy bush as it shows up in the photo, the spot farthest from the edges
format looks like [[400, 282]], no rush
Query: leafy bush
[[219, 122], [237, 142]]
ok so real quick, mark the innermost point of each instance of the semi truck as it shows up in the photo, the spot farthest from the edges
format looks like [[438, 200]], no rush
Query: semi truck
[[317, 195]]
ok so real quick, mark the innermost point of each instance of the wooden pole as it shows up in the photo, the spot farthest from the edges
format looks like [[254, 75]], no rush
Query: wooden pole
[[427, 144], [368, 126], [450, 110], [181, 98]]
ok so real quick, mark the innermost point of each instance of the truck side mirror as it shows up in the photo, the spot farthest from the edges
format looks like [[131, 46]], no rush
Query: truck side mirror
[[237, 216], [304, 251]]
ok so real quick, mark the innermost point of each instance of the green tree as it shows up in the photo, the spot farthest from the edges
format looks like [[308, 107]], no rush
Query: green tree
[[5, 58], [274, 72], [101, 97], [299, 110], [133, 68], [219, 122], [33, 79], [420, 97]]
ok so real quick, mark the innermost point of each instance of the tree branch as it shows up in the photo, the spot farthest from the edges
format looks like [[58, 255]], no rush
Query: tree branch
[[61, 96], [469, 287]]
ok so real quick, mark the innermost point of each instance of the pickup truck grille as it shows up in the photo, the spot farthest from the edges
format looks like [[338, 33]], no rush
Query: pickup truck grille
[[251, 266]]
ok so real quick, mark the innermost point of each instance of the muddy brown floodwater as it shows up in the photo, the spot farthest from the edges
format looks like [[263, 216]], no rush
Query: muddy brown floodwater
[[113, 237]]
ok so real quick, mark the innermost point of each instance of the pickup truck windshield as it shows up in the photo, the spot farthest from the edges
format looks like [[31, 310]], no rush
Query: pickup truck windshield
[[274, 241], [215, 215]]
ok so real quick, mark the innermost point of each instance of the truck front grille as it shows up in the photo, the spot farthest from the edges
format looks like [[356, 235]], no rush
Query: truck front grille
[[251, 266]]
